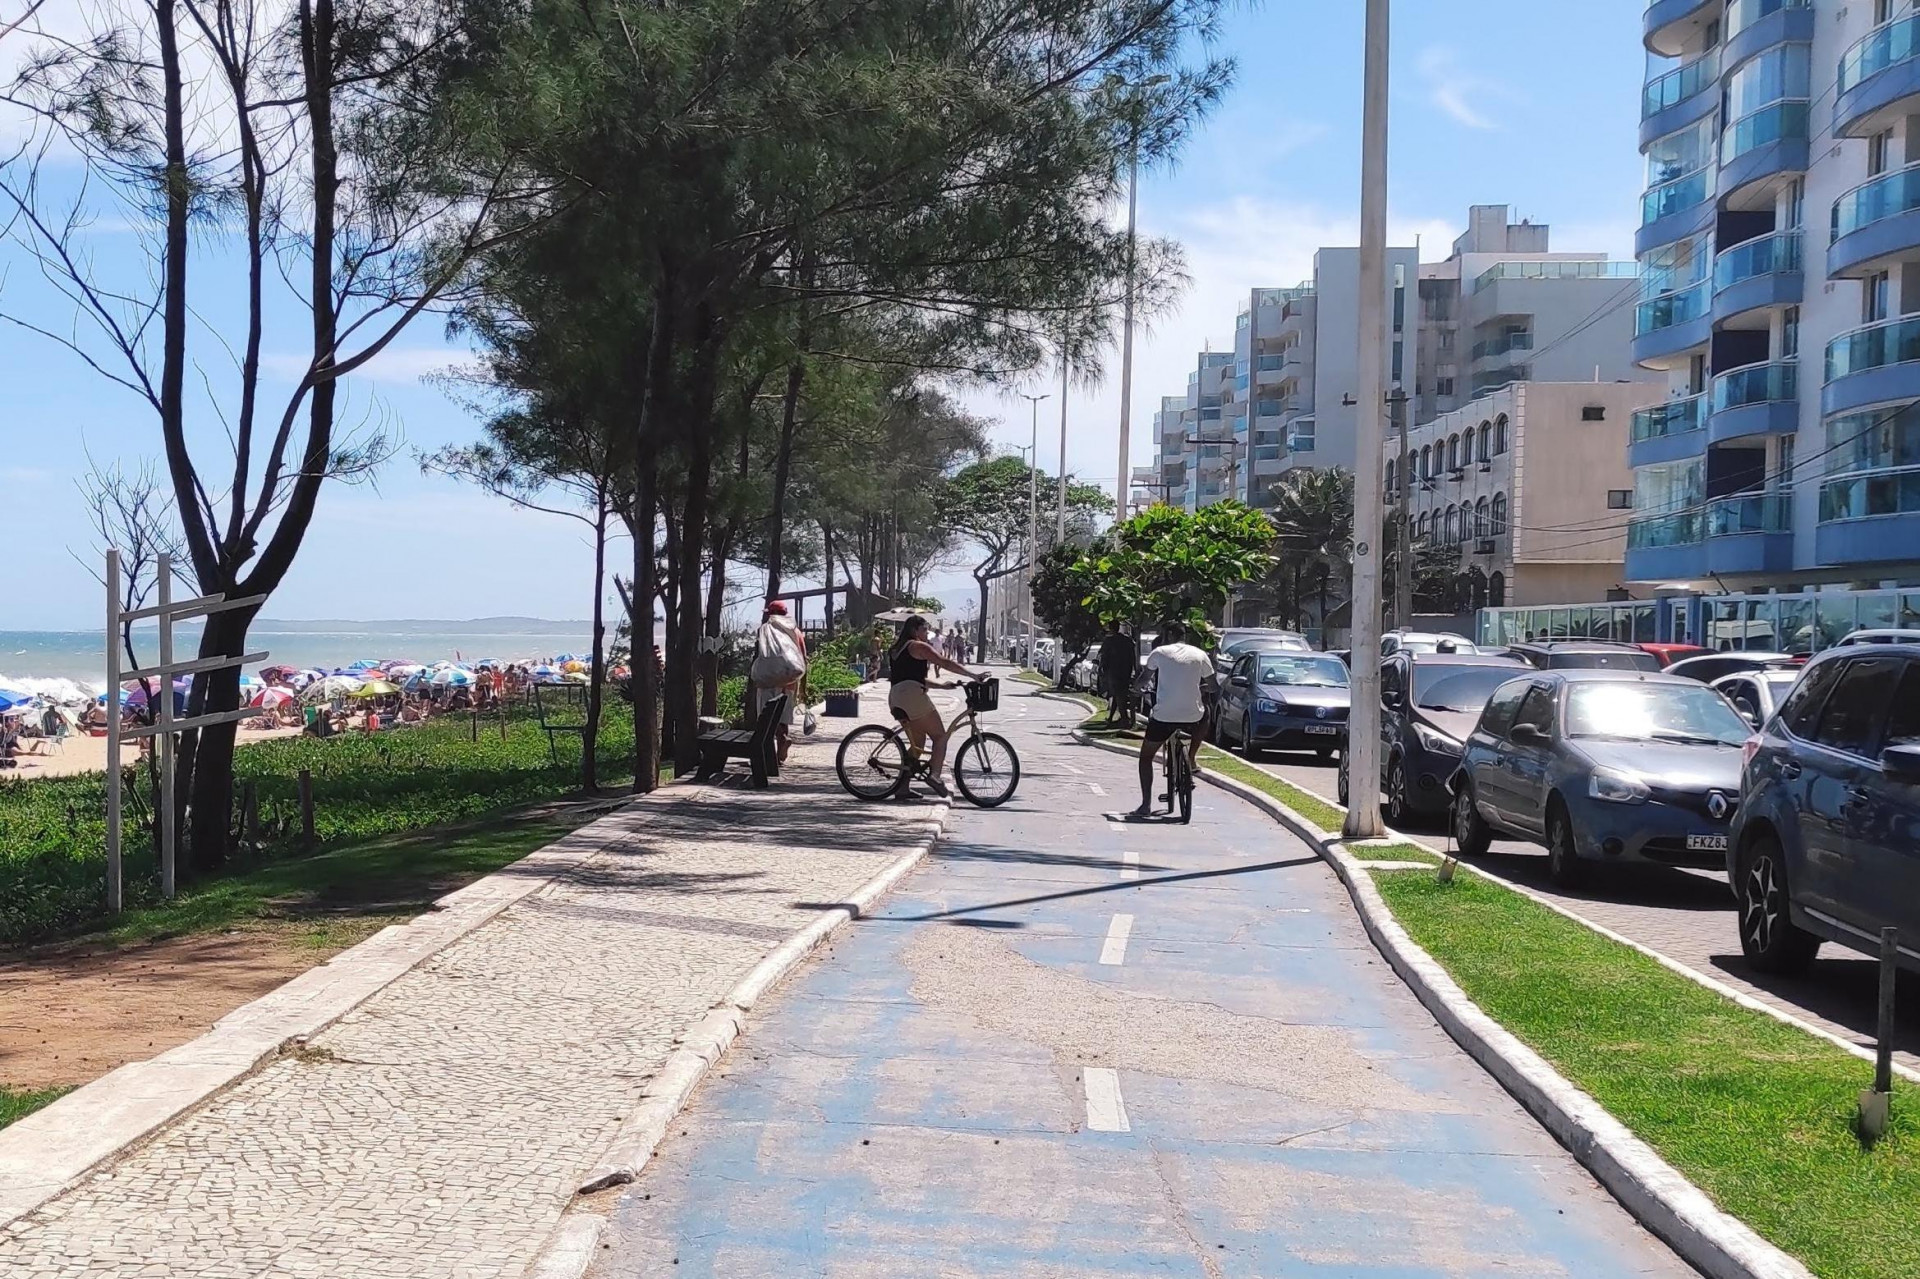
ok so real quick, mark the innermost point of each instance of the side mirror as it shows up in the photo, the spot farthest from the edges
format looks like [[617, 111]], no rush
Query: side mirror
[[1240, 681], [1528, 733], [1391, 697], [1901, 763], [1748, 711]]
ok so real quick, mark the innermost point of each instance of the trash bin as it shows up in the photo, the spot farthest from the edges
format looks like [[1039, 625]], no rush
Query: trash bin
[[844, 704]]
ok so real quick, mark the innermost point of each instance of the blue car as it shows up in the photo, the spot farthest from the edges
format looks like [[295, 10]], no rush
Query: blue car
[[1826, 846], [1286, 701]]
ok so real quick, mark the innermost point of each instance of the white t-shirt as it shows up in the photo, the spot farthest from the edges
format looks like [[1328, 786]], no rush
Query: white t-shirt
[[1179, 671]]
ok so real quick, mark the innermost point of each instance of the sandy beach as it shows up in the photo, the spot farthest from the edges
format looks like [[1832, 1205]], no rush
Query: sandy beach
[[83, 754]]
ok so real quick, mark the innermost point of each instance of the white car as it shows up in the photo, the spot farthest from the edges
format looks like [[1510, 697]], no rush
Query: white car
[[1757, 694]]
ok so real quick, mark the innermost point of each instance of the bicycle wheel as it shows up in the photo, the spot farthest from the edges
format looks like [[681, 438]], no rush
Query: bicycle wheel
[[1183, 784], [987, 769], [872, 762]]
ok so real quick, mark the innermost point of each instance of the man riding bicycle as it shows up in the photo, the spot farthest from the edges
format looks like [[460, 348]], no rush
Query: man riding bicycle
[[1182, 676]]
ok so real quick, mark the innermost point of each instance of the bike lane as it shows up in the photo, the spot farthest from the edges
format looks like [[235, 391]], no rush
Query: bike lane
[[1072, 1047]]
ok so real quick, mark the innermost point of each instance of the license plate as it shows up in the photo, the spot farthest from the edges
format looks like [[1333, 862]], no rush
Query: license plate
[[1328, 729], [1706, 843]]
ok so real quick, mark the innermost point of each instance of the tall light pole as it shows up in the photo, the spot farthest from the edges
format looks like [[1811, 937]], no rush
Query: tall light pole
[[1363, 735], [1060, 516], [1033, 516], [1122, 483], [1403, 517]]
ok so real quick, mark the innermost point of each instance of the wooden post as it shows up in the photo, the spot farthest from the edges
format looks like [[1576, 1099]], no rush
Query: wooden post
[[306, 809], [250, 816], [115, 891], [167, 834], [474, 727]]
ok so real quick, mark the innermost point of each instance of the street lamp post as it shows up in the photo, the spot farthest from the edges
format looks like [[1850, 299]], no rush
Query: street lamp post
[[1033, 515], [1060, 516], [1121, 484]]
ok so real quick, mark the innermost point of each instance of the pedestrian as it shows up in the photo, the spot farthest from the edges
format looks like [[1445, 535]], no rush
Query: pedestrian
[[1119, 662], [779, 669]]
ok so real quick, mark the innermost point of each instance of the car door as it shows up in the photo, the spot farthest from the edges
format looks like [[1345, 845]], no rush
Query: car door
[[1838, 771], [1235, 696], [1883, 822], [1486, 756], [1745, 696], [1394, 709], [1528, 762]]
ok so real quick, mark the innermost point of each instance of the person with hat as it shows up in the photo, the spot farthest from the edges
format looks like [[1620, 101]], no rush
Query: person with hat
[[779, 668]]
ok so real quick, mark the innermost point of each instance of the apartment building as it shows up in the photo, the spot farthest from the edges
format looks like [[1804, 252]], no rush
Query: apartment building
[[1530, 482], [1780, 246]]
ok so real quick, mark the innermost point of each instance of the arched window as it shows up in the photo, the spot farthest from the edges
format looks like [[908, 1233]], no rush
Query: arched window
[[1486, 440], [1389, 478], [1499, 525], [1453, 453], [1496, 590], [1426, 462], [1420, 527], [1500, 434], [1448, 534]]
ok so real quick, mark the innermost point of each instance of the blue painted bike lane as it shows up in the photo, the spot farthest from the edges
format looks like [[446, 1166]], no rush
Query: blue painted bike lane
[[1072, 1047]]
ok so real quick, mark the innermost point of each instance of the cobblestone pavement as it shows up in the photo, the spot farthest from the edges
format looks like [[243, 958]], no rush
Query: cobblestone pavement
[[1075, 1049], [439, 1129], [1686, 915]]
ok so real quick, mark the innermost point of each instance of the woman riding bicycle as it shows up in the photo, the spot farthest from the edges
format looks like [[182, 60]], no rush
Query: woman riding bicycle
[[907, 664]]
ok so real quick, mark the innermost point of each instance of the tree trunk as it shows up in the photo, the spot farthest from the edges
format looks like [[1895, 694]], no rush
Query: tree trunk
[[782, 466], [826, 569], [210, 802], [982, 582], [716, 605], [645, 677], [683, 704], [590, 744]]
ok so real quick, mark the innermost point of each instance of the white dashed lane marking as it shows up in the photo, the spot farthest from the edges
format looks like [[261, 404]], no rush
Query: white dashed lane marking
[[1129, 864], [1114, 950], [1096, 788], [1106, 1112]]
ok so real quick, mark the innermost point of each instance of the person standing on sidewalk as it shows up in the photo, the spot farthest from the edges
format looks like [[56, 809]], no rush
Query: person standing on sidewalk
[[1119, 662]]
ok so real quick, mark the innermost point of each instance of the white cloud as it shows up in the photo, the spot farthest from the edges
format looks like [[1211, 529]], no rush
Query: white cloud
[[1453, 89]]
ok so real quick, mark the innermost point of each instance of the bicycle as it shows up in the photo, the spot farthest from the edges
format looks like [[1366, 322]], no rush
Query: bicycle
[[876, 762], [1179, 774]]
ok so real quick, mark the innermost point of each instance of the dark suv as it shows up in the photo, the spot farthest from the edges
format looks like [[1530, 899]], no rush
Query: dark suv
[[1826, 845], [1429, 702], [1569, 655]]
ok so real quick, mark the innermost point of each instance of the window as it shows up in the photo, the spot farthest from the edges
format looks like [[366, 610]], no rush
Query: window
[[1499, 514], [1795, 211], [1486, 441], [1426, 462], [1497, 590], [1480, 514], [1500, 434], [1536, 709], [1879, 152], [1790, 333], [1444, 386], [1420, 527], [1619, 499], [1851, 719], [1391, 682], [1498, 717], [1874, 293], [1744, 696], [1453, 453], [1389, 477], [1593, 413], [1903, 725], [1446, 534]]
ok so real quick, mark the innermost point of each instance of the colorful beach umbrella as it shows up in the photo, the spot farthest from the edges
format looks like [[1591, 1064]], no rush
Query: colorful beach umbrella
[[453, 677], [325, 690], [376, 688], [268, 699], [10, 698]]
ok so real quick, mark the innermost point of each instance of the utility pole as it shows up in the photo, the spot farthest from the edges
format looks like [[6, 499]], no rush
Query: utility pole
[[1033, 517], [1123, 483], [1403, 517], [1060, 516], [1363, 735]]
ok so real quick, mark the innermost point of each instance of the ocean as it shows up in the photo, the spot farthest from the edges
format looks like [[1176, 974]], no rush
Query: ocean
[[67, 664]]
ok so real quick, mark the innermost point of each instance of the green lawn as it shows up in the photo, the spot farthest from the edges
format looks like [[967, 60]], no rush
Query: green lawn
[[15, 1104], [1032, 677], [1754, 1112]]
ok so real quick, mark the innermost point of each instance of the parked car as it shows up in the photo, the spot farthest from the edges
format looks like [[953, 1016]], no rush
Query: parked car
[[1758, 694], [1424, 642], [1275, 642], [1602, 765], [1284, 701], [1880, 635], [1826, 846], [1671, 653], [1428, 705], [1607, 655], [1714, 665]]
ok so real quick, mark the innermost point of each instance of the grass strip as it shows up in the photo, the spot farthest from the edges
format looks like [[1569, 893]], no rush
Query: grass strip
[[18, 1104], [1026, 676], [1390, 853], [1758, 1114]]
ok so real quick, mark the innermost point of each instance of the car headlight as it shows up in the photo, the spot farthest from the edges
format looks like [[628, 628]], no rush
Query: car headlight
[[1616, 787], [1434, 740], [1267, 706]]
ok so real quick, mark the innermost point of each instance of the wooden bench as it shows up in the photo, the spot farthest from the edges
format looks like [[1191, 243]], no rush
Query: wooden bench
[[755, 745]]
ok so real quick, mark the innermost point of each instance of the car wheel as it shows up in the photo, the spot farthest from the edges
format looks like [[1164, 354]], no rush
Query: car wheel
[[1247, 748], [1769, 938], [1470, 831], [1564, 866], [1341, 790], [1399, 810]]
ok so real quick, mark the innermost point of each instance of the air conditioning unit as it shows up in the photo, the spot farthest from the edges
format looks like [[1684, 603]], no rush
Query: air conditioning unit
[[1483, 546]]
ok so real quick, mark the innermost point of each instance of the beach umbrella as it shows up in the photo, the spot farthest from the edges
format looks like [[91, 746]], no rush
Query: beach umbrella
[[577, 677], [376, 688], [251, 684], [454, 676], [401, 670], [9, 698], [572, 666], [364, 664], [325, 690], [268, 699]]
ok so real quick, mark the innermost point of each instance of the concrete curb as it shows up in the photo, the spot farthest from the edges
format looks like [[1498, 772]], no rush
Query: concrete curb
[[1716, 1243], [99, 1123], [570, 1248]]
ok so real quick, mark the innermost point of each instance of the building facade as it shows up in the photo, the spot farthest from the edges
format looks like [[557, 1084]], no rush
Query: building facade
[[1530, 482], [1780, 246]]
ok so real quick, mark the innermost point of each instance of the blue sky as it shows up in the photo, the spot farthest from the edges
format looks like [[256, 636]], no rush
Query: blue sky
[[1494, 101]]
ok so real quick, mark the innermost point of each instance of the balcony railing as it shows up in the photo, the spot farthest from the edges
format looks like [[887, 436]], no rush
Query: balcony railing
[[1769, 124], [1577, 270], [1750, 513], [1756, 384], [1271, 363], [1679, 84], [1742, 14], [1670, 309], [1763, 256], [1682, 529], [1271, 408], [1886, 196], [1880, 48], [1895, 341], [1675, 417], [1893, 491], [1520, 341], [1675, 195]]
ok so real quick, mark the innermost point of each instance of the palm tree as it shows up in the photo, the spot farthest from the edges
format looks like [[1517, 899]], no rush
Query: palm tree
[[1312, 517]]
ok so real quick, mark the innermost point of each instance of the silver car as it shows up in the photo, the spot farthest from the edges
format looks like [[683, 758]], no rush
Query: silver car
[[1758, 694], [1598, 765]]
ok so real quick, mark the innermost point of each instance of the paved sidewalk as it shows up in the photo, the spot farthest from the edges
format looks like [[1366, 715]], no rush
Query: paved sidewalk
[[440, 1129], [1076, 1049]]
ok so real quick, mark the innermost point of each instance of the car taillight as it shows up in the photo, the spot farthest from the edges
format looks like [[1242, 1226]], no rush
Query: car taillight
[[1748, 749]]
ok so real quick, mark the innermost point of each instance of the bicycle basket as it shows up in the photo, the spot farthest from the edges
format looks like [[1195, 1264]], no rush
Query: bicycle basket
[[983, 695]]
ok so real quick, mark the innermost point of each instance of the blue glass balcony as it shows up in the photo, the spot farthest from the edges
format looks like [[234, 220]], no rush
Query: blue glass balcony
[[1756, 275], [1683, 96], [1668, 432], [1753, 25], [1668, 25], [1873, 365], [1770, 142], [1879, 79], [1674, 210], [1672, 323], [1750, 533], [1872, 517], [1876, 222], [1759, 399], [1666, 548]]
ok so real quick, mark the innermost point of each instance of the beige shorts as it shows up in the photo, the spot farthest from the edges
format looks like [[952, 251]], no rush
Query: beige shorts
[[911, 698], [762, 696]]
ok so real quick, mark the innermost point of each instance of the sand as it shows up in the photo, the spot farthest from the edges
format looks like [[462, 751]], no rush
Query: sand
[[83, 754]]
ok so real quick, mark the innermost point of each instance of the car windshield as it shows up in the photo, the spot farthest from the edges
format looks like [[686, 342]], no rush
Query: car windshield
[[1263, 642], [1624, 660], [1459, 688], [1315, 672], [1654, 712]]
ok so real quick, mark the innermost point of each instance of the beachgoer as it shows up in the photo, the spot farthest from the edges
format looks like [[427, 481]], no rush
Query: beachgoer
[[907, 668], [779, 669]]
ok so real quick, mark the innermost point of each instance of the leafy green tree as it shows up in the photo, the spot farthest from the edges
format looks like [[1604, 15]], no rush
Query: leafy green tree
[[1061, 606], [1166, 564], [1312, 516]]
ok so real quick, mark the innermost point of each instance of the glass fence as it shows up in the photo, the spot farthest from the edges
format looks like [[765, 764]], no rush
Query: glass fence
[[1880, 49], [1675, 417]]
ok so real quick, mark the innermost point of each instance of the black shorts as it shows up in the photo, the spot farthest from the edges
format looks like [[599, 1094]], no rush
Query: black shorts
[[1159, 730]]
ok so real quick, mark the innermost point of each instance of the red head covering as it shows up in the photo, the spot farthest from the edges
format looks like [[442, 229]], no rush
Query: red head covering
[[777, 606]]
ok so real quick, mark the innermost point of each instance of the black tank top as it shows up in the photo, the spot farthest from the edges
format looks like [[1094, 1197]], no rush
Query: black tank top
[[903, 667]]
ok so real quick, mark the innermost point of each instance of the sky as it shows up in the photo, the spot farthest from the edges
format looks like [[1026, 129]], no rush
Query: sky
[[1493, 101]]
